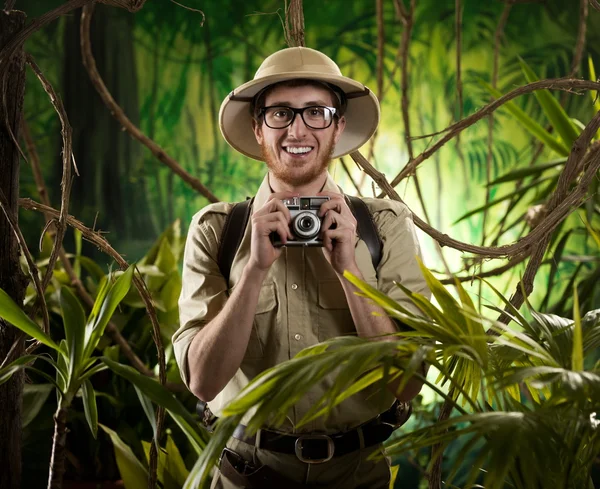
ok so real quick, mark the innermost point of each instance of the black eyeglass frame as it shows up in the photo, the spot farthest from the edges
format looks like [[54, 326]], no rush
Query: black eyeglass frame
[[261, 113]]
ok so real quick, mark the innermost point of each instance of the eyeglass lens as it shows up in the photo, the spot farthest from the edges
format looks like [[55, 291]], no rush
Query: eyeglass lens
[[316, 117]]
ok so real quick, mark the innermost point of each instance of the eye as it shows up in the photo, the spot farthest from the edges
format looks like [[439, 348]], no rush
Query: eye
[[281, 114], [316, 111]]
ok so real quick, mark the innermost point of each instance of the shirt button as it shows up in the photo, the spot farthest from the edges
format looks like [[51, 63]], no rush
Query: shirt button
[[295, 286], [297, 337]]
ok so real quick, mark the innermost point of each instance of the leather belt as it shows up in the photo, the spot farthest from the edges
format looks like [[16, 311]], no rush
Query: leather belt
[[319, 448]]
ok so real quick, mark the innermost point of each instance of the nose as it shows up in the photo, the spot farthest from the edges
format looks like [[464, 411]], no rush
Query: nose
[[297, 129]]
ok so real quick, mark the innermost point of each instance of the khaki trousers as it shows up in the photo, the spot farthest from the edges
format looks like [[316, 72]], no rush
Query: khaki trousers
[[350, 471]]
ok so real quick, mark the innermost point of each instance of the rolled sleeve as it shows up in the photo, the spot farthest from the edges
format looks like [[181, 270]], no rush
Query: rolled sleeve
[[399, 257], [204, 290]]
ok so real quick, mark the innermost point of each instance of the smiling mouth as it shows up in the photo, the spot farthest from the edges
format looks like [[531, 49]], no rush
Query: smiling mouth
[[298, 150]]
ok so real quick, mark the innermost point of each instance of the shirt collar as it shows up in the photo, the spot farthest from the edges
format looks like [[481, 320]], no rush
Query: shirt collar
[[264, 191]]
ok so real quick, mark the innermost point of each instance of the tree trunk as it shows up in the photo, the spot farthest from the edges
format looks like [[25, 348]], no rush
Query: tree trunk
[[12, 280]]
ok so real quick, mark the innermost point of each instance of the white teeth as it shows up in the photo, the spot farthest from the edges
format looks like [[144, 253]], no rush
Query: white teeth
[[296, 151]]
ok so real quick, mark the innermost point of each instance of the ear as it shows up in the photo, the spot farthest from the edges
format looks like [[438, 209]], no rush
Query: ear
[[341, 125], [257, 128]]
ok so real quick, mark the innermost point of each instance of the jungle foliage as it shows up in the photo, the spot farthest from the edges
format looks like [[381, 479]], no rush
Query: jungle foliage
[[524, 396]]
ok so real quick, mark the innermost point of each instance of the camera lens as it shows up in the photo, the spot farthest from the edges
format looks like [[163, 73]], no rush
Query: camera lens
[[306, 225]]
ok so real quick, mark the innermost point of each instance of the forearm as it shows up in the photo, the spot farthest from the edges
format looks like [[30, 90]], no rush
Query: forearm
[[218, 349], [369, 325]]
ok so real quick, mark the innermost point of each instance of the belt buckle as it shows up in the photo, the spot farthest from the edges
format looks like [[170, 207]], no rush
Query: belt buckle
[[298, 448]]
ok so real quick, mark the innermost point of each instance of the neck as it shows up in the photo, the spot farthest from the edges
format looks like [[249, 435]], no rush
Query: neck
[[311, 188]]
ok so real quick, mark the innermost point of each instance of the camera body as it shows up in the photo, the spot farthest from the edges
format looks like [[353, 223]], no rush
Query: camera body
[[305, 224]]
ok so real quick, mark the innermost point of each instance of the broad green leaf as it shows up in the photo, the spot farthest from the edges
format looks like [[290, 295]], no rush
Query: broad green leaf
[[521, 173], [74, 324], [89, 406], [175, 465], [133, 473], [96, 325], [530, 124], [34, 398], [577, 359], [556, 114], [11, 312], [171, 470], [161, 396]]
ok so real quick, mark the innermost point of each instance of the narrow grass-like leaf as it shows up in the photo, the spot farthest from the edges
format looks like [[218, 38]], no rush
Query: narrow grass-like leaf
[[20, 363], [92, 371], [593, 93], [557, 116], [529, 171], [530, 124], [89, 406], [11, 312], [499, 200], [148, 409], [116, 292], [577, 357]]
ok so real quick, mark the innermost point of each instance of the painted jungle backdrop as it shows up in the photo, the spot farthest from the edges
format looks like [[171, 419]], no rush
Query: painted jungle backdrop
[[509, 194]]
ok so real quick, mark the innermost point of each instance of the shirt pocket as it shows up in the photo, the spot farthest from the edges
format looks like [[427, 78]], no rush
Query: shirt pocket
[[264, 319], [333, 314]]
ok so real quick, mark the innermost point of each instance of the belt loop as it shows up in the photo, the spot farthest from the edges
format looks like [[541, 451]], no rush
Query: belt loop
[[361, 437]]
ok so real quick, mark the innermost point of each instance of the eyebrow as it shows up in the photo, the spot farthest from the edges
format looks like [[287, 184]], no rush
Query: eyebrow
[[286, 103]]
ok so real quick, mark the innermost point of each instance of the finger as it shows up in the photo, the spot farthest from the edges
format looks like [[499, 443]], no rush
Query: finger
[[338, 204], [272, 207], [265, 223], [334, 220]]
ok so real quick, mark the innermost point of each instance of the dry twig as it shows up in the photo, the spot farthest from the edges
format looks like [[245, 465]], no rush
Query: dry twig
[[90, 64], [66, 181]]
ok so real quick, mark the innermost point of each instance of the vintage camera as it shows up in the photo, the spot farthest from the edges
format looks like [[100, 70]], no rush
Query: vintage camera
[[305, 224]]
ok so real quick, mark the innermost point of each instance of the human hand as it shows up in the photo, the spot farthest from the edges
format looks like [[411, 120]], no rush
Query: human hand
[[338, 232], [275, 217]]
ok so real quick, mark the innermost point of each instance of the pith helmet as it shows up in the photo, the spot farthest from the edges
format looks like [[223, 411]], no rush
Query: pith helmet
[[362, 111]]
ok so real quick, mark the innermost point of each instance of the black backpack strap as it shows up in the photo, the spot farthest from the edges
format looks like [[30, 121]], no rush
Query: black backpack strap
[[366, 228], [232, 234]]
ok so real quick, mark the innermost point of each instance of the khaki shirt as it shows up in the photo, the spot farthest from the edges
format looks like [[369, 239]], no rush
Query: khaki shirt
[[301, 302]]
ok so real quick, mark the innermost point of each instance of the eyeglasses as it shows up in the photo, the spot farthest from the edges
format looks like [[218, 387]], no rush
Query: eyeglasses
[[314, 116]]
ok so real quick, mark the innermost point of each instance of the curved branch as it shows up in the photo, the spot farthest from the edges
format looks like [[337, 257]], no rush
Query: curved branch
[[595, 4], [118, 113], [555, 214], [490, 273], [567, 84]]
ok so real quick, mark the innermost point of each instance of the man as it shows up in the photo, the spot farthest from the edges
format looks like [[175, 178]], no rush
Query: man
[[297, 114]]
